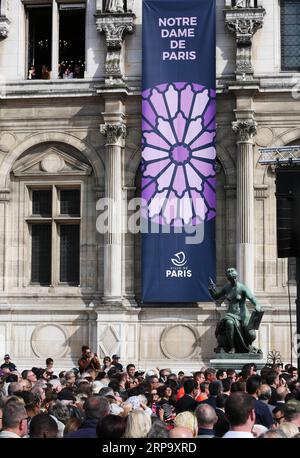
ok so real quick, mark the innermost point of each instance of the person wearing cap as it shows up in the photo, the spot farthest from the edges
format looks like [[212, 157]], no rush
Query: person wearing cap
[[115, 362], [8, 364]]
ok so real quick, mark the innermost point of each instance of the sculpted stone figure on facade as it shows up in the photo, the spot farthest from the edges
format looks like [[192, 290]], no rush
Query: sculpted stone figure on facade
[[234, 333]]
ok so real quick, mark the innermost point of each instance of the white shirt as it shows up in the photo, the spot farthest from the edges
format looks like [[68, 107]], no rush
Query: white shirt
[[237, 434]]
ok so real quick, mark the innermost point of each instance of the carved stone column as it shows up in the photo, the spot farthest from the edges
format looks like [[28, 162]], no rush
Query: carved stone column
[[245, 131], [4, 200], [115, 134], [244, 18], [114, 26]]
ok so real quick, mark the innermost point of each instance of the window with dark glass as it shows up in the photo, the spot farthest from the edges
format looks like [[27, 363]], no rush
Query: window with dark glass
[[39, 41], [290, 35], [42, 203], [70, 202], [54, 226], [41, 254], [71, 41], [69, 253]]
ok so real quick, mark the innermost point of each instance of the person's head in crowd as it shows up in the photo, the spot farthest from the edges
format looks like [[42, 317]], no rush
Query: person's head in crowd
[[245, 374], [153, 380], [221, 374], [72, 424], [289, 429], [292, 415], [191, 388], [272, 379], [278, 414], [49, 365], [158, 430], [167, 392], [238, 387], [29, 375], [199, 377], [172, 384], [43, 426], [187, 420], [281, 393], [239, 411], [56, 385], [115, 359], [215, 388], [226, 383], [11, 378], [96, 407], [264, 392], [70, 378], [163, 374], [138, 424], [172, 377], [264, 372], [204, 388], [60, 411], [287, 367], [112, 372], [293, 372], [180, 432], [130, 369], [106, 362], [13, 388], [179, 376], [274, 433], [14, 417], [221, 400], [285, 378], [111, 427], [210, 374], [253, 385], [258, 430], [231, 374], [206, 416]]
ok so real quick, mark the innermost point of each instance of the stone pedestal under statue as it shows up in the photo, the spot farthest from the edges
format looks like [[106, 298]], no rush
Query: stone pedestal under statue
[[237, 361]]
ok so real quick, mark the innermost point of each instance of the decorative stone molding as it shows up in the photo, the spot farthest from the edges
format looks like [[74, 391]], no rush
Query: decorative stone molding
[[261, 191], [115, 25], [244, 130], [4, 195], [114, 133], [244, 18]]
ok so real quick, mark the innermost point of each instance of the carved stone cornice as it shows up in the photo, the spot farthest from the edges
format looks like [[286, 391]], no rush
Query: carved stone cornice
[[245, 130], [244, 21], [114, 133], [4, 27]]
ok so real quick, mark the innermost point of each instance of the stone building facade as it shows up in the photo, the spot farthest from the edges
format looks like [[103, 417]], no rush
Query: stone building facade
[[68, 142]]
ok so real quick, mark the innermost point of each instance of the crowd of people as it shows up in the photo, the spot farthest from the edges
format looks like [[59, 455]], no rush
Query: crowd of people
[[104, 399]]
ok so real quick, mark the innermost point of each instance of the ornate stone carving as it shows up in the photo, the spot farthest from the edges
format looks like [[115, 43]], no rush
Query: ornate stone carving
[[114, 26], [113, 6], [4, 27], [244, 19], [113, 132], [245, 130]]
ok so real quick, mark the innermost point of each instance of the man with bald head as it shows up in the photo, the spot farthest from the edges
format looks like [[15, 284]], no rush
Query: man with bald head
[[206, 417], [281, 394], [180, 432], [265, 394]]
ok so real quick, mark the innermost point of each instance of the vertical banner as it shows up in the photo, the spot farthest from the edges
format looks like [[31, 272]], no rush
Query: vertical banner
[[178, 150]]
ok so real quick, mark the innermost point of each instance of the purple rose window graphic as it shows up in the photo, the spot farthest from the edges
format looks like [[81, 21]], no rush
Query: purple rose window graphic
[[178, 157]]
